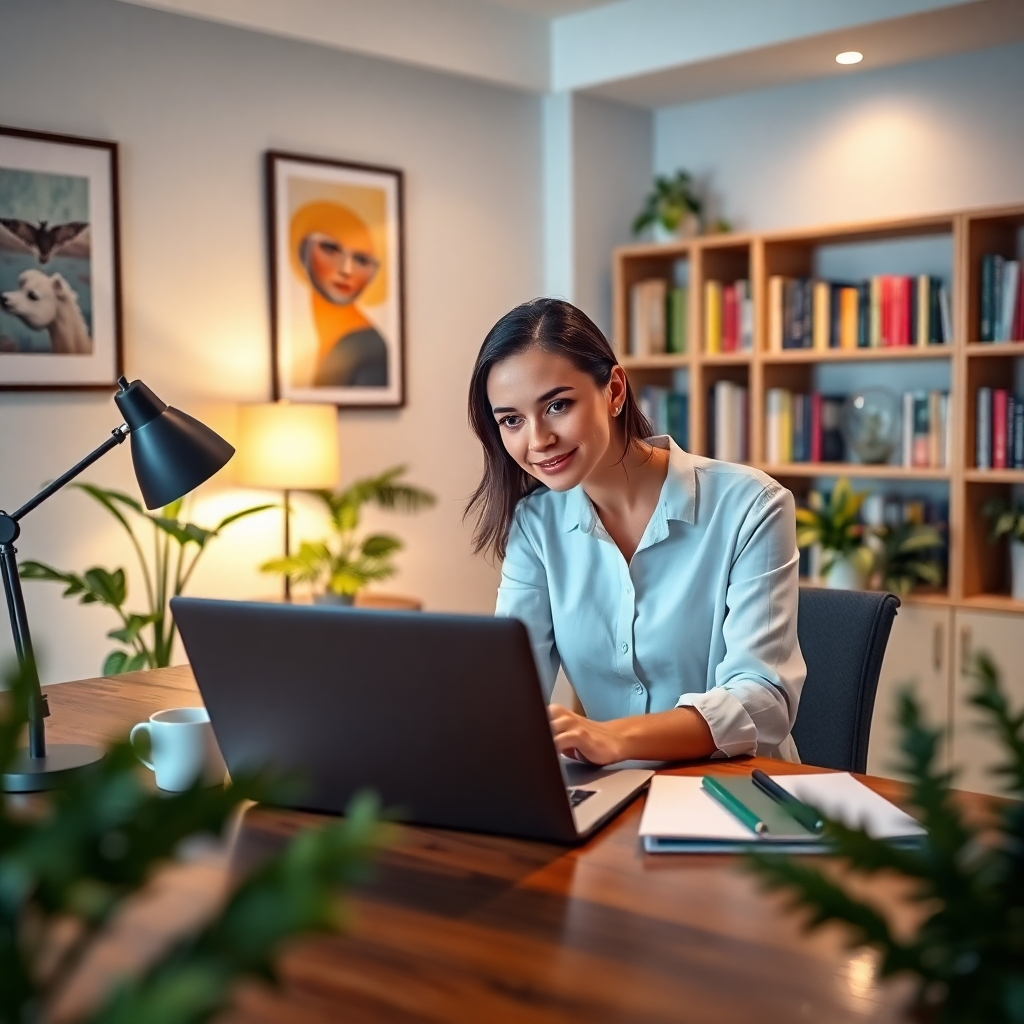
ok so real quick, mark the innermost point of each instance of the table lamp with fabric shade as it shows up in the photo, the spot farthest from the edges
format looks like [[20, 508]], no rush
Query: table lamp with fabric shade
[[288, 447], [172, 454]]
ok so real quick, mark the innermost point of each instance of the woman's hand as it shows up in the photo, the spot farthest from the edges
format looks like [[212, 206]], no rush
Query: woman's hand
[[584, 739], [681, 734]]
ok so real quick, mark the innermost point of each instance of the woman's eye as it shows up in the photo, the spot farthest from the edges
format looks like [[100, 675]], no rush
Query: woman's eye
[[559, 405], [511, 422]]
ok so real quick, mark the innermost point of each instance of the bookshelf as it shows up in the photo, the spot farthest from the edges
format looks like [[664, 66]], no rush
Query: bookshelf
[[978, 571]]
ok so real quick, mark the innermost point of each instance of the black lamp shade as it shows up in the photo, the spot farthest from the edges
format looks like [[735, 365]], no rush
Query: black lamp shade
[[173, 453]]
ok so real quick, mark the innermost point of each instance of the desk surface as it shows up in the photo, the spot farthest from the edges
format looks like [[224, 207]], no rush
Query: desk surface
[[460, 927]]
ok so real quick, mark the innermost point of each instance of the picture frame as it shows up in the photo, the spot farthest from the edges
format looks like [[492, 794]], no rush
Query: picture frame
[[60, 264], [337, 281]]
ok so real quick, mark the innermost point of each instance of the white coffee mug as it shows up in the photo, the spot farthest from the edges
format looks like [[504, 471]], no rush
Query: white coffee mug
[[182, 748]]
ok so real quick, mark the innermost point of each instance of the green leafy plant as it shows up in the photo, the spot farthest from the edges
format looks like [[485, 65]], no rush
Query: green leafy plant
[[1006, 520], [668, 202], [902, 556], [344, 564], [968, 879], [835, 526], [69, 864], [147, 636]]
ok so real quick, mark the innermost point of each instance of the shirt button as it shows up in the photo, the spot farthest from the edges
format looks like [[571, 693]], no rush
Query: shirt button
[[624, 647], [638, 689]]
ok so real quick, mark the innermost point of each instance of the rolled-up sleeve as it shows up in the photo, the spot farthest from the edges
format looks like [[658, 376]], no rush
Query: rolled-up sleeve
[[523, 595], [754, 701]]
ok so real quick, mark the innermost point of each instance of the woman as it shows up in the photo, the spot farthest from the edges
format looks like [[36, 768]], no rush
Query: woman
[[665, 584]]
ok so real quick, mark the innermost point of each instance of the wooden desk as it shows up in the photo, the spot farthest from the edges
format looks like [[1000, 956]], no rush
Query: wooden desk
[[460, 927]]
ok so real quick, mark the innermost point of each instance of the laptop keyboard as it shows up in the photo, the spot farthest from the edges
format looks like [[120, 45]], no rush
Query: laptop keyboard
[[577, 796]]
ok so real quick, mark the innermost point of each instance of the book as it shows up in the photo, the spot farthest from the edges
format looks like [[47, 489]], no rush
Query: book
[[983, 429], [998, 431], [1008, 305], [1017, 445], [746, 301], [681, 817], [676, 323], [822, 314], [987, 297], [776, 288], [848, 329], [712, 317], [647, 317]]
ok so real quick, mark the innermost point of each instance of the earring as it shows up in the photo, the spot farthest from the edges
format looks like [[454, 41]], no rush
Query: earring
[[615, 412]]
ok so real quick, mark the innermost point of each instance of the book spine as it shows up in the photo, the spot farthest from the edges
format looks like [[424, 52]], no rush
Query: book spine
[[875, 317], [997, 293], [983, 429], [816, 427], [712, 317], [807, 330], [986, 297], [923, 296], [935, 432], [864, 314], [1017, 334], [772, 406], [848, 336], [919, 454], [905, 311], [1011, 279], [776, 290], [747, 317], [908, 429], [999, 397], [786, 428], [1018, 432], [822, 314], [945, 316]]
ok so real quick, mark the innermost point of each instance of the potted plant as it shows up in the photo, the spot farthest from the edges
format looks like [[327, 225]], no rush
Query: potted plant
[[147, 637], [1008, 521], [337, 568], [835, 527], [671, 208], [902, 560]]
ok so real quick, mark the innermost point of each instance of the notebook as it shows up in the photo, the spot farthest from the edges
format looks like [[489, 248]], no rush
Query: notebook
[[680, 817]]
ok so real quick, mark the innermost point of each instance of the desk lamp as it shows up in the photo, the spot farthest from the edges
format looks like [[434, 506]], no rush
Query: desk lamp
[[288, 447], [172, 454]]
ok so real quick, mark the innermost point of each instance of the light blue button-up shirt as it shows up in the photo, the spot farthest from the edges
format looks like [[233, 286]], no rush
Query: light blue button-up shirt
[[703, 615]]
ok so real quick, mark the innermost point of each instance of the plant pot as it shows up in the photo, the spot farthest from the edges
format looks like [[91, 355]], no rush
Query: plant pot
[[845, 574], [342, 600], [1017, 569]]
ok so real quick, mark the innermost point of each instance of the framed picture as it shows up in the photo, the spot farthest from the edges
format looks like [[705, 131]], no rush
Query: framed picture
[[60, 299], [337, 281]]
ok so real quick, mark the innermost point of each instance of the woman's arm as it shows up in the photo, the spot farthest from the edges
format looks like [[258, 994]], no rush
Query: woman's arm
[[523, 595], [681, 734]]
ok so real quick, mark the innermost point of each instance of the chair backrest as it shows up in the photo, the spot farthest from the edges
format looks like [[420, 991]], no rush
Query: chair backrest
[[842, 635]]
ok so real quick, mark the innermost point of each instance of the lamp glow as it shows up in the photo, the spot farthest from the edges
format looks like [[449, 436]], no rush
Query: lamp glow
[[288, 447], [849, 57]]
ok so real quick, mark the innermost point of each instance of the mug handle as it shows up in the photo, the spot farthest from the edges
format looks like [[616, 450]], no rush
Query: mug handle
[[131, 739]]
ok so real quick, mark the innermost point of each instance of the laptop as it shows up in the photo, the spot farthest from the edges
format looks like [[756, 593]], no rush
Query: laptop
[[441, 715]]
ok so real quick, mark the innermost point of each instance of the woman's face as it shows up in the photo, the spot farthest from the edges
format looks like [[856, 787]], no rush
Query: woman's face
[[554, 420], [339, 272]]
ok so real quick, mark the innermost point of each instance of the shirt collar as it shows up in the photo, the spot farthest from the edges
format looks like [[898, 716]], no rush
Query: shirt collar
[[678, 494]]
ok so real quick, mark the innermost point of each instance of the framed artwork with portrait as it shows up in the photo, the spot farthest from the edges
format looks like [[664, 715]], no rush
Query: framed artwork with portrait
[[60, 305], [337, 287]]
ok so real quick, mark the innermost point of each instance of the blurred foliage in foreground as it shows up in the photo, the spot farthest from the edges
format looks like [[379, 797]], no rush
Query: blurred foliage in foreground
[[968, 954], [72, 860]]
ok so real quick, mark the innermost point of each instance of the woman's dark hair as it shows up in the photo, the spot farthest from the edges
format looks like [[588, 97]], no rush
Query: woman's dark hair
[[555, 326]]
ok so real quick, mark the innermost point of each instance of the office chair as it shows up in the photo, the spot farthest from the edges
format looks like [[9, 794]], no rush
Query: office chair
[[842, 635]]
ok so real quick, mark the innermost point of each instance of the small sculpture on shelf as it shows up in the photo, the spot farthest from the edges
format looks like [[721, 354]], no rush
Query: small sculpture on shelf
[[338, 568], [870, 423]]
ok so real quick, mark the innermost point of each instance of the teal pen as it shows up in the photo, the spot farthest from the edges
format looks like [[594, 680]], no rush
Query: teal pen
[[807, 816], [733, 806]]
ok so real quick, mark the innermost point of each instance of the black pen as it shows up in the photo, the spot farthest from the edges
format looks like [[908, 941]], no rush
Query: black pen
[[806, 815]]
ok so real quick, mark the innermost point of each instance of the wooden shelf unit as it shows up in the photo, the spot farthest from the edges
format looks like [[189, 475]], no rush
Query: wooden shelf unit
[[978, 570]]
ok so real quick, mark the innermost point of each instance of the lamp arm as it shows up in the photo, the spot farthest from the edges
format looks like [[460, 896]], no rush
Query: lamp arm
[[9, 531], [117, 437]]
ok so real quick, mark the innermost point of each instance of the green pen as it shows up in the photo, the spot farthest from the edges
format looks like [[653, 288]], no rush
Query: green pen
[[735, 807]]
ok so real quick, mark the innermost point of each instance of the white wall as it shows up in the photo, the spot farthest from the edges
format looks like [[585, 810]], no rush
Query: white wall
[[938, 135], [193, 106]]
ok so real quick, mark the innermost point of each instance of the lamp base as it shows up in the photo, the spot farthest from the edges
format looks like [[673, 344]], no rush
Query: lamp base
[[64, 762]]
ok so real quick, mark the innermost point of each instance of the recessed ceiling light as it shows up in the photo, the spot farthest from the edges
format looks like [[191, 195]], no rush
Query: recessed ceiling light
[[849, 57]]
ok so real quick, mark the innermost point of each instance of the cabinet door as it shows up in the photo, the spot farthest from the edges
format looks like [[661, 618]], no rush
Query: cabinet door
[[917, 654], [1001, 636]]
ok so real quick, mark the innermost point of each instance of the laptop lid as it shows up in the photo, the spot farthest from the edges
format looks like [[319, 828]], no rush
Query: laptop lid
[[441, 715]]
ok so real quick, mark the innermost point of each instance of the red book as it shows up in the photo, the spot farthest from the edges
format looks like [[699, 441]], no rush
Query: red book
[[815, 427], [901, 330], [886, 292], [999, 402]]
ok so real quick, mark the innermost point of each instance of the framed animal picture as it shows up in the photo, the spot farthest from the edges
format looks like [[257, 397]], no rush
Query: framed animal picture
[[337, 281], [60, 306]]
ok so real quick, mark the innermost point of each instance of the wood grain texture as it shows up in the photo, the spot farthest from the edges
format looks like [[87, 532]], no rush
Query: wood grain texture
[[463, 927]]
